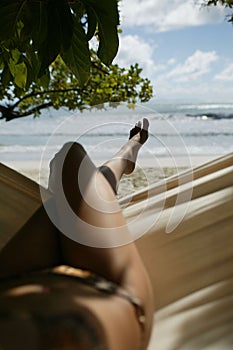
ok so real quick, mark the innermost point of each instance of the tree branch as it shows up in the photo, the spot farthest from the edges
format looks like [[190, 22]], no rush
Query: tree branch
[[8, 114], [40, 93], [100, 69], [37, 109]]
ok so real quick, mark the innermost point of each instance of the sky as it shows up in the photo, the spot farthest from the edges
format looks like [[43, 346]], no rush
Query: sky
[[185, 49]]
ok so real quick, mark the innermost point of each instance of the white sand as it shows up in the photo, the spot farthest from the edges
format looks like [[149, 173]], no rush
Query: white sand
[[146, 173]]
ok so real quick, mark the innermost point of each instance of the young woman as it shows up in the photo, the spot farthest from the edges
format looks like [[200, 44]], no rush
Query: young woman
[[99, 297]]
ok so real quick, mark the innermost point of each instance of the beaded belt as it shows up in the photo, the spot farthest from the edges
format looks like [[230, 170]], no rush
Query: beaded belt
[[102, 285]]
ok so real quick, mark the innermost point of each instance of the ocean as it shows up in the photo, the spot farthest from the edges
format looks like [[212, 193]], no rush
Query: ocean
[[176, 130]]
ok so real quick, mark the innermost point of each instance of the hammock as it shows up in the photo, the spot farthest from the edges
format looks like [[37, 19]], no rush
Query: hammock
[[191, 268], [186, 245], [21, 213]]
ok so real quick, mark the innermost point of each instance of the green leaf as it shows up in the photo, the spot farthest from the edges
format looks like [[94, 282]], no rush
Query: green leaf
[[92, 23], [32, 68], [108, 19], [77, 57], [10, 14], [6, 76], [44, 80], [15, 54], [66, 21], [19, 73], [18, 68], [36, 22], [60, 30], [29, 76]]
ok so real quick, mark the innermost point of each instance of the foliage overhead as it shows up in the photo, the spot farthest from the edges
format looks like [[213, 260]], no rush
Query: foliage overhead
[[112, 85], [46, 61], [34, 32], [226, 3]]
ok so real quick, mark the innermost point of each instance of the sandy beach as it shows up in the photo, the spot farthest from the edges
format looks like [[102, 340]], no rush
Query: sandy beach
[[145, 173]]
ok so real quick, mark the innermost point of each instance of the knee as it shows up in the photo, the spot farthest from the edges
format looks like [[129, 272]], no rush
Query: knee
[[73, 147], [71, 152]]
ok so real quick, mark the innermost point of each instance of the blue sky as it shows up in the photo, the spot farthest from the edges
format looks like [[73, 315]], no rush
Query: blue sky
[[184, 49]]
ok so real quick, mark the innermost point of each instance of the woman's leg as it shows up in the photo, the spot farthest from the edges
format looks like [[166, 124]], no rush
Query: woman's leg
[[92, 199], [124, 160]]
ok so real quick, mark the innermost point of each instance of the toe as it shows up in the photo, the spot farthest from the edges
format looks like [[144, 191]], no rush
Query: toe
[[144, 131], [145, 124], [136, 129], [138, 124]]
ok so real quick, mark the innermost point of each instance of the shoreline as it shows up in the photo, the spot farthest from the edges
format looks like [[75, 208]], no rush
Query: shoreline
[[146, 172], [143, 162]]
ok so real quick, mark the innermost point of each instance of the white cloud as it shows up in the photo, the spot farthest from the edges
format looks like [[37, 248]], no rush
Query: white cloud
[[133, 49], [194, 67], [168, 14], [226, 74], [171, 61], [204, 91]]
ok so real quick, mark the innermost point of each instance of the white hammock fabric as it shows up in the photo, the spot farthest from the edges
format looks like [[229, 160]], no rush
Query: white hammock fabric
[[191, 268]]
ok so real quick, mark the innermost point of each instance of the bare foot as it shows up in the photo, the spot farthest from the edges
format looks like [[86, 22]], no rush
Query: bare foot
[[137, 137], [124, 160], [140, 132]]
